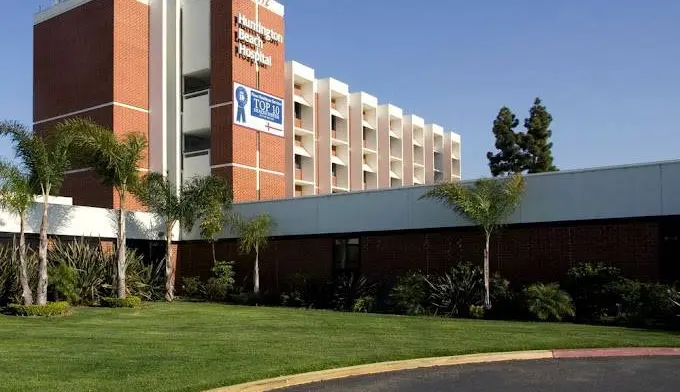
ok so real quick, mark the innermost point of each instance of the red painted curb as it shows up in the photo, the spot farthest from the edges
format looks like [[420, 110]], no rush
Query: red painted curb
[[616, 352]]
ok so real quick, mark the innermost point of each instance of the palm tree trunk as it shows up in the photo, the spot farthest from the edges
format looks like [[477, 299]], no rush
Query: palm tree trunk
[[169, 265], [121, 262], [26, 292], [41, 293], [487, 296], [256, 272]]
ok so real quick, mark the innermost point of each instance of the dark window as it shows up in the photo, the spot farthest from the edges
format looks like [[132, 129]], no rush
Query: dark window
[[298, 162], [334, 169], [334, 123], [298, 111], [346, 254]]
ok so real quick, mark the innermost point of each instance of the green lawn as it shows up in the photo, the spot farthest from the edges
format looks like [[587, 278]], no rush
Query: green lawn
[[192, 347]]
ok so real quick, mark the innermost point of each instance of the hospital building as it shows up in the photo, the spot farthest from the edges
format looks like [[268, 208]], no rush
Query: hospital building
[[207, 83]]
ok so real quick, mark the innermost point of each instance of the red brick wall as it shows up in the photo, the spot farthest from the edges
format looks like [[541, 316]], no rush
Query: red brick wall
[[94, 54], [281, 259], [521, 253], [73, 60]]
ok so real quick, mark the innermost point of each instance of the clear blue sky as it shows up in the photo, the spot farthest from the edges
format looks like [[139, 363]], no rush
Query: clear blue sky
[[608, 71]]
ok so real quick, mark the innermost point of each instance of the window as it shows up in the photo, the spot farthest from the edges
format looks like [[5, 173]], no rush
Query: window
[[334, 169], [334, 123], [346, 254], [298, 162], [298, 111]]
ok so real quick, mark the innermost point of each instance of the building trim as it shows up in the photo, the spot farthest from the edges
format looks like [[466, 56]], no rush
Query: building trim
[[219, 105], [658, 219], [246, 167], [104, 105], [63, 7]]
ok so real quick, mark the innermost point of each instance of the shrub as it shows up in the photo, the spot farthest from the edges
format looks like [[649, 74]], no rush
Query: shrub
[[247, 298], [477, 311], [63, 281], [127, 302], [93, 269], [453, 293], [410, 294], [647, 304], [10, 288], [504, 301], [302, 290], [547, 302], [192, 287], [146, 281], [364, 304], [349, 287], [217, 288], [596, 291], [48, 310]]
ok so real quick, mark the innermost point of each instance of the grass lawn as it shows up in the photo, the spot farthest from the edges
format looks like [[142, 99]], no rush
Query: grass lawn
[[191, 347]]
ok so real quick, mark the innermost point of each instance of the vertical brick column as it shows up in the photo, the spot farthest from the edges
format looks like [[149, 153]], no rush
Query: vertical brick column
[[253, 162]]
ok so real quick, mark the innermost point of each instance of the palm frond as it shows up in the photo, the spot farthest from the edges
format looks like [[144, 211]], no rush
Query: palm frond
[[487, 203], [160, 195], [253, 233], [16, 194], [115, 160], [45, 158]]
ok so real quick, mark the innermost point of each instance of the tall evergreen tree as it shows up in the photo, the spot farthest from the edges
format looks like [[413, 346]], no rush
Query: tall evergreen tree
[[509, 159], [535, 144]]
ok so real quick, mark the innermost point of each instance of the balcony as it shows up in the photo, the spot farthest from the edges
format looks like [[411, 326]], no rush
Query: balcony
[[196, 112]]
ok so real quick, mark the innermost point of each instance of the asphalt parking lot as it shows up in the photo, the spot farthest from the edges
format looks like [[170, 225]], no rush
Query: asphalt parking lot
[[648, 374]]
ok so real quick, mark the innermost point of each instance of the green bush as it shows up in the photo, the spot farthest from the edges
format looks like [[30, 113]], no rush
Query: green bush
[[348, 288], [48, 310], [477, 311], [146, 281], [546, 302], [505, 304], [454, 292], [10, 288], [410, 294], [364, 304], [127, 302], [217, 288], [647, 304], [192, 287], [63, 281], [596, 290], [92, 269]]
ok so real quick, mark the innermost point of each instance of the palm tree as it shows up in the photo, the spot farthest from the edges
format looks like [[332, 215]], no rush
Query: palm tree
[[116, 162], [192, 201], [488, 203], [46, 159], [253, 237], [17, 196]]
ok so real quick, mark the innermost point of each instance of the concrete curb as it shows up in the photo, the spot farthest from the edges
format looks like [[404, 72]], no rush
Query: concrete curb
[[382, 367]]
